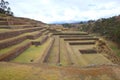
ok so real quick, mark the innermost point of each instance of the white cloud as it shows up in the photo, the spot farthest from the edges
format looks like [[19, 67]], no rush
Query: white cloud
[[51, 11]]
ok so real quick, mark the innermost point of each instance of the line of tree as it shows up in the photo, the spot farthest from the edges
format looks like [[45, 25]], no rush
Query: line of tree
[[4, 8], [108, 27]]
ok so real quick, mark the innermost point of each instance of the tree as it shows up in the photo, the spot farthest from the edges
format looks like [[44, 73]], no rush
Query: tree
[[4, 9]]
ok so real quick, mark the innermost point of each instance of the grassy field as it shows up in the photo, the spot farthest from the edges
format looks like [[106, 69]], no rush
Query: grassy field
[[31, 54]]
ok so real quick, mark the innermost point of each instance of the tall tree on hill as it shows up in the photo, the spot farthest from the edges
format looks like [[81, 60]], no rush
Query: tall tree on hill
[[4, 9]]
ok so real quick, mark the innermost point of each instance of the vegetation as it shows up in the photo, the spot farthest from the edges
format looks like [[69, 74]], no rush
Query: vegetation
[[4, 8], [31, 54], [110, 27], [106, 27], [9, 49]]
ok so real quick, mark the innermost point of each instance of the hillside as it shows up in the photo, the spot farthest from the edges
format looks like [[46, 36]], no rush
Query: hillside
[[33, 50], [108, 28]]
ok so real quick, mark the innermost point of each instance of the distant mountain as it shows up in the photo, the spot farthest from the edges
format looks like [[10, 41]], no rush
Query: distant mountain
[[68, 22]]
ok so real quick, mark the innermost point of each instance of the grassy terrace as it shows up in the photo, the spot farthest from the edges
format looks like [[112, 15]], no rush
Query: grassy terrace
[[22, 35], [64, 55], [10, 30], [7, 50], [39, 39], [89, 59], [32, 54], [53, 55], [46, 32], [4, 30], [95, 59], [33, 33], [9, 39], [18, 37]]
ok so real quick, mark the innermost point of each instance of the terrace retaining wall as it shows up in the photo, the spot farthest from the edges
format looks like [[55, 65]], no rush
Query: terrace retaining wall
[[36, 43], [14, 53], [47, 51], [75, 39], [34, 36], [81, 43], [74, 36], [10, 34], [103, 48], [9, 43]]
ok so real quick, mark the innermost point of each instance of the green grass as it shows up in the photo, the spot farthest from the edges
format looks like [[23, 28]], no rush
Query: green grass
[[53, 52], [32, 53], [9, 39], [33, 33], [10, 30], [22, 35], [45, 32], [7, 50], [39, 39], [115, 49], [64, 59], [4, 30], [3, 15], [95, 59]]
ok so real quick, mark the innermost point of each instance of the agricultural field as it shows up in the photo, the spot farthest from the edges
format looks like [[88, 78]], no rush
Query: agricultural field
[[38, 53]]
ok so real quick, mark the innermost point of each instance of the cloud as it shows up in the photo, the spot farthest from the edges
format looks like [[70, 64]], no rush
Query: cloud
[[50, 11]]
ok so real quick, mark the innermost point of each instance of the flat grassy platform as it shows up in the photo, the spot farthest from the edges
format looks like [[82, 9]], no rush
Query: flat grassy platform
[[95, 59], [88, 59], [31, 54]]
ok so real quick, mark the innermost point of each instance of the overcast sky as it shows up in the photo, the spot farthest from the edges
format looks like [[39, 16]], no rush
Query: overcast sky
[[50, 11]]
